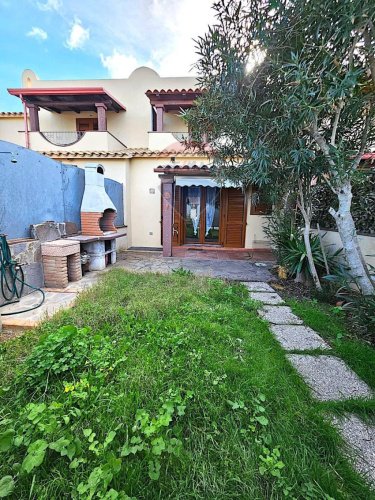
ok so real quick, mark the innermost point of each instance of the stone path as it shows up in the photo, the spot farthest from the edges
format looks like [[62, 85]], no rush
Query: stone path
[[329, 378]]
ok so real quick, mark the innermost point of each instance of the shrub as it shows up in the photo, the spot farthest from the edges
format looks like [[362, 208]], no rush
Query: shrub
[[360, 307], [289, 245]]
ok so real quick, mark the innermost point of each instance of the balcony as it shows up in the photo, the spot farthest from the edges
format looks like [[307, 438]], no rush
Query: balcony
[[75, 141], [157, 141]]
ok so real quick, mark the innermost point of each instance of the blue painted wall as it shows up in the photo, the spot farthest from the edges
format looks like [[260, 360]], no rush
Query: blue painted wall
[[36, 189]]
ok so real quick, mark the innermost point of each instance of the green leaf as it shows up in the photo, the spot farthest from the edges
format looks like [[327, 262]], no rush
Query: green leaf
[[6, 486], [6, 439], [262, 420], [154, 469], [110, 437], [60, 445], [35, 456], [158, 446]]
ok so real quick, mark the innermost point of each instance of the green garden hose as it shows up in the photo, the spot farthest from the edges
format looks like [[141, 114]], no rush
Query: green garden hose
[[12, 279]]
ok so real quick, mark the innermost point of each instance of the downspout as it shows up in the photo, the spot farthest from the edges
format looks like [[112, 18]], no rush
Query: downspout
[[27, 137]]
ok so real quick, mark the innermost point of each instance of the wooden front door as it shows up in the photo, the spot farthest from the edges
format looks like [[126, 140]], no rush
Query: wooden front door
[[228, 224], [233, 218]]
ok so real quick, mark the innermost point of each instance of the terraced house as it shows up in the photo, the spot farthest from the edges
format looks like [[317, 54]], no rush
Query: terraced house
[[134, 128]]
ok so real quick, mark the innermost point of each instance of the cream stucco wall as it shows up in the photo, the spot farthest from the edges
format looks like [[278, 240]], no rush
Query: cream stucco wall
[[254, 236], [332, 242], [12, 129]]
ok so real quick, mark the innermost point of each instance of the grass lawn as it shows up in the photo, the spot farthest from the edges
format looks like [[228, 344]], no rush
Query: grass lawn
[[163, 387]]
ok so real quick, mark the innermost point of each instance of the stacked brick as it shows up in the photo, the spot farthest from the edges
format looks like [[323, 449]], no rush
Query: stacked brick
[[90, 223], [95, 223], [61, 263], [55, 271]]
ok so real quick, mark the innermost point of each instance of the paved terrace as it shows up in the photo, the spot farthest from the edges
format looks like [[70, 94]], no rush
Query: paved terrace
[[237, 265]]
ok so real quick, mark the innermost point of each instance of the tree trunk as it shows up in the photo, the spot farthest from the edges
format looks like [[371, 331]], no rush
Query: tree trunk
[[314, 274], [348, 235]]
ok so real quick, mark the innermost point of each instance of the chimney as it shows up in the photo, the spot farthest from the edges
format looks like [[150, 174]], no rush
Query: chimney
[[97, 210]]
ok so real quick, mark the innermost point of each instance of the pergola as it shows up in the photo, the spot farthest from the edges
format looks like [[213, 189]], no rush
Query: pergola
[[164, 101], [75, 99]]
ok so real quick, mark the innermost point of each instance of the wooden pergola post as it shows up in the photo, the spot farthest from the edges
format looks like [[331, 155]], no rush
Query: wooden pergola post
[[159, 117], [167, 212], [102, 118], [34, 117]]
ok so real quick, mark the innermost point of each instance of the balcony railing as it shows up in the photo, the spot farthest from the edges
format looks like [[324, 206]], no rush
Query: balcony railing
[[63, 138], [75, 141]]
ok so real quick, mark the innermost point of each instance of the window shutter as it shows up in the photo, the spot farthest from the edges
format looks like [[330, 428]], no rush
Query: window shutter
[[233, 217]]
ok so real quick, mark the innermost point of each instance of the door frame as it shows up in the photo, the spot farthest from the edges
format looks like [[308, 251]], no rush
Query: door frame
[[202, 219]]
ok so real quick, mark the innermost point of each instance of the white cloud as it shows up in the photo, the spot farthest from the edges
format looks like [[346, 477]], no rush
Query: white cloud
[[50, 5], [38, 33], [186, 21], [119, 65], [78, 35]]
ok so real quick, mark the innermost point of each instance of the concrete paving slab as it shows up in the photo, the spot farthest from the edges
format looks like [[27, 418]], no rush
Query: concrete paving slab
[[55, 300], [257, 286], [267, 298], [298, 337], [360, 438], [329, 377], [236, 270], [280, 315]]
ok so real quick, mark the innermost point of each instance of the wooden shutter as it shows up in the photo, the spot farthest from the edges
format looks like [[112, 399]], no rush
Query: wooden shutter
[[233, 216]]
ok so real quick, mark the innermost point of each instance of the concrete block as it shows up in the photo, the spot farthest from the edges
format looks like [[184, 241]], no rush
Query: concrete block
[[298, 337], [329, 378]]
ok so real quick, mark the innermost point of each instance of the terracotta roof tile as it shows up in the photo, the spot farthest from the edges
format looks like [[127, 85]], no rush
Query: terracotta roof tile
[[11, 114], [124, 153], [183, 166], [175, 91]]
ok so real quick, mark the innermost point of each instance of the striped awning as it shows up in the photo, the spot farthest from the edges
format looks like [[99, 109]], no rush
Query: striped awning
[[202, 181]]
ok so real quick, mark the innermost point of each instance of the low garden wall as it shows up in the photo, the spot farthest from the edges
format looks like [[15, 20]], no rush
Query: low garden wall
[[332, 242]]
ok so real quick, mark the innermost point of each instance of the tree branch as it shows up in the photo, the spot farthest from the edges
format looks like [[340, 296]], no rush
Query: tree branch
[[321, 142], [365, 132], [369, 34], [339, 107]]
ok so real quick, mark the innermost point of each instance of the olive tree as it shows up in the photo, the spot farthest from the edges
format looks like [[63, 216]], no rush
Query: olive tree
[[290, 97]]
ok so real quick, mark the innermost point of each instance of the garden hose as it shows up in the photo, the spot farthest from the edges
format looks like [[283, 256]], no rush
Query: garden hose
[[12, 279]]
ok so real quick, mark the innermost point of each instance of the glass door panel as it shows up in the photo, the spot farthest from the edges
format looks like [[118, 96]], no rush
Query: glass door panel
[[212, 215], [192, 207]]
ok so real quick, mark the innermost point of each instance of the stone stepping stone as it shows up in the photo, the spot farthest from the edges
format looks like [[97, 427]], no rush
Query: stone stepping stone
[[360, 438], [280, 315], [267, 298], [329, 377], [257, 286], [298, 337]]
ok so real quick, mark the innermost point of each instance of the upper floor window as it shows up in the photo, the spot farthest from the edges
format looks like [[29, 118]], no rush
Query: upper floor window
[[86, 124]]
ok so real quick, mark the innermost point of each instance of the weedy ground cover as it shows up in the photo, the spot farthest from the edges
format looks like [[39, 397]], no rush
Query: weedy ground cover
[[157, 387]]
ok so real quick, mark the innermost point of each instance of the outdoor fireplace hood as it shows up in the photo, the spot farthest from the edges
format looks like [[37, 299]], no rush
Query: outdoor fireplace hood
[[97, 209]]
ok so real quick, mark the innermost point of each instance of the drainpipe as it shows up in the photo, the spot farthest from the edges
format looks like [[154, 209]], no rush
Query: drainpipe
[[27, 137]]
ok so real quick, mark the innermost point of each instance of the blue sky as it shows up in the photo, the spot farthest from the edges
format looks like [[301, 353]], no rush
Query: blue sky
[[68, 39]]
